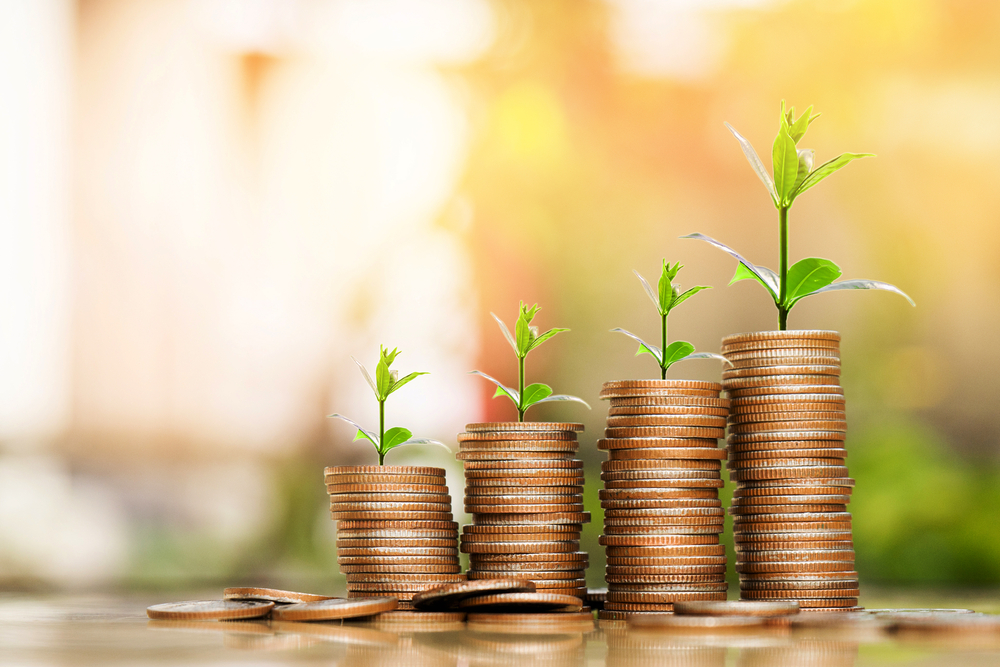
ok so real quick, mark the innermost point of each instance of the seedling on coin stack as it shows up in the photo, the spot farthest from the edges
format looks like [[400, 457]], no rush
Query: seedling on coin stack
[[524, 486], [662, 514], [386, 383], [395, 533], [787, 419]]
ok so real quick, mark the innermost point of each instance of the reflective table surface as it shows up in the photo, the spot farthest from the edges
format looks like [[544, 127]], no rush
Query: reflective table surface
[[113, 630]]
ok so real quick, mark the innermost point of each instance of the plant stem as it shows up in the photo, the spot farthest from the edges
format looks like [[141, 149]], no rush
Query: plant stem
[[663, 346], [783, 270], [520, 389], [381, 431]]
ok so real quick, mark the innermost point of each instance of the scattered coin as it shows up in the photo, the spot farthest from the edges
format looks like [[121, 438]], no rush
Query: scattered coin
[[210, 610], [271, 595], [332, 609], [523, 602]]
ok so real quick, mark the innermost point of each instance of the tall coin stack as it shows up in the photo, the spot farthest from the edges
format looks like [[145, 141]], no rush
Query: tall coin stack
[[524, 489], [787, 428], [395, 531], [662, 513]]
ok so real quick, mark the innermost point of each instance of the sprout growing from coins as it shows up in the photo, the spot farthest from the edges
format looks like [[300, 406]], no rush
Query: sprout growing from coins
[[525, 340], [667, 297], [793, 174], [386, 382]]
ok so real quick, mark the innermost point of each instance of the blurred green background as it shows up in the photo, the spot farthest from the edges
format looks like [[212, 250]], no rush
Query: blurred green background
[[224, 204]]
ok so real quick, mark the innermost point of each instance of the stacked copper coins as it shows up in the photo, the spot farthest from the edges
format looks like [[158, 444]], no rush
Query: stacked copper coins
[[662, 513], [395, 533], [524, 489], [787, 428]]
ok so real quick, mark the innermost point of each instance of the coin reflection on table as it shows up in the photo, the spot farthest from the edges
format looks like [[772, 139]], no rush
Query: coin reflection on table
[[815, 653]]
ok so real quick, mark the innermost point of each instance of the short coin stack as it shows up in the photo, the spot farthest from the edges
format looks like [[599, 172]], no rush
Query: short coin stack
[[662, 513], [787, 428], [524, 489], [395, 533]]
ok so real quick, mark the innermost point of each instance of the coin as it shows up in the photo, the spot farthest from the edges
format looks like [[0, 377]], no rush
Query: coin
[[638, 597], [821, 517], [794, 555], [655, 467], [827, 603], [397, 534], [749, 510], [543, 575], [371, 499], [664, 493], [445, 597], [518, 538], [523, 482], [402, 524], [742, 458], [679, 400], [684, 569], [382, 470], [512, 530], [520, 446], [791, 426], [625, 421], [511, 455], [406, 577], [813, 584], [693, 432], [516, 435], [544, 468], [523, 602], [802, 594], [769, 393], [787, 472], [737, 419], [647, 394], [794, 370], [665, 453], [537, 508], [655, 484], [775, 338], [769, 381], [577, 556], [331, 609], [810, 566], [811, 499], [765, 486], [515, 568], [420, 617], [668, 411], [209, 610], [522, 498], [519, 547], [768, 352], [270, 595], [398, 560], [384, 568], [533, 519], [612, 443], [346, 543], [736, 608], [434, 489], [384, 480], [524, 426], [532, 620], [753, 539], [691, 545]]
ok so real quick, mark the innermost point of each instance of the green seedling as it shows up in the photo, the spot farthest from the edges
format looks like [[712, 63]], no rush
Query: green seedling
[[525, 340], [386, 382], [667, 297], [793, 174]]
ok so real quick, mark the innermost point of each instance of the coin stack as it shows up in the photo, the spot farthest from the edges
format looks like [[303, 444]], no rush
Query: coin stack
[[524, 489], [787, 428], [395, 532], [662, 513]]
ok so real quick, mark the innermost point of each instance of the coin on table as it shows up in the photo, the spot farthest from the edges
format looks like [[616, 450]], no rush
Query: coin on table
[[446, 597], [333, 609], [271, 595], [523, 602], [209, 610], [736, 608]]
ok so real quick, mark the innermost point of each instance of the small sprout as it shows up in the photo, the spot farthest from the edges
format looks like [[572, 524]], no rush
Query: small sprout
[[386, 382], [792, 174], [525, 339], [667, 297]]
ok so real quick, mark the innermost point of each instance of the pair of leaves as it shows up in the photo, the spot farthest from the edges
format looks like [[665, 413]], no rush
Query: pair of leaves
[[386, 381], [394, 437], [792, 167], [806, 277], [533, 394], [679, 350], [668, 296], [527, 337]]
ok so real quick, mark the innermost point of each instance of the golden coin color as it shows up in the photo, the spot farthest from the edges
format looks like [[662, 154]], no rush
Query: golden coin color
[[271, 595], [525, 426], [736, 608], [209, 610], [446, 597], [331, 609], [384, 470], [523, 602]]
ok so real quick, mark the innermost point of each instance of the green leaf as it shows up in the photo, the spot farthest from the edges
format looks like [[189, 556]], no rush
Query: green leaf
[[522, 330], [649, 291], [827, 168], [704, 355], [394, 437], [806, 156], [536, 341], [808, 275], [755, 163], [863, 284], [684, 296], [785, 163], [362, 433], [368, 378], [506, 332], [563, 397], [644, 347], [798, 128], [502, 390], [409, 378], [763, 275], [675, 352], [383, 379], [389, 357], [666, 288], [534, 393]]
